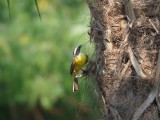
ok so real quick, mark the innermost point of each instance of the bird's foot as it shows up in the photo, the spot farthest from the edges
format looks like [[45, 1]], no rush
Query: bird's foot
[[79, 76], [84, 72]]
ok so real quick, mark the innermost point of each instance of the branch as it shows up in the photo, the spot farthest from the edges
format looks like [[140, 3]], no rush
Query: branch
[[129, 11], [136, 64], [154, 26], [115, 113], [125, 69], [151, 96], [158, 82]]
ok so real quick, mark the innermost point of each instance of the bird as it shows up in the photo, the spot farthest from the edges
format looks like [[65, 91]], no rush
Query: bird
[[78, 62]]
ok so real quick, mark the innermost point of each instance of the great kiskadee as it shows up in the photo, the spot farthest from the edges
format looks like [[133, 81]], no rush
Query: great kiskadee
[[78, 61]]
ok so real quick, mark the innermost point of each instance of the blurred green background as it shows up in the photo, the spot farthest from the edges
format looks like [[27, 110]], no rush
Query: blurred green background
[[35, 58]]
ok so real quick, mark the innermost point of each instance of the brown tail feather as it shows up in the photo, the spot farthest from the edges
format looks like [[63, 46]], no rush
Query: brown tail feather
[[75, 84]]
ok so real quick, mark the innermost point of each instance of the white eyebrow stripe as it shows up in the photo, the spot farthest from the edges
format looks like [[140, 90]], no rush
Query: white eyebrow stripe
[[75, 50]]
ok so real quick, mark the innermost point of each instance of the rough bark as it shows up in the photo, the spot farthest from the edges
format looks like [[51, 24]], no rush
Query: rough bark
[[126, 62]]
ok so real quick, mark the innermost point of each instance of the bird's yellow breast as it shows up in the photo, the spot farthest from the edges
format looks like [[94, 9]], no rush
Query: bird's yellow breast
[[79, 61]]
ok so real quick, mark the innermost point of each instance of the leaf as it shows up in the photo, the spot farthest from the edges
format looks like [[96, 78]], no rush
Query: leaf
[[37, 9], [8, 2]]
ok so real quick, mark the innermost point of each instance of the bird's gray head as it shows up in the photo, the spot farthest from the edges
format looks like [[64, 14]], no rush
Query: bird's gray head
[[77, 50]]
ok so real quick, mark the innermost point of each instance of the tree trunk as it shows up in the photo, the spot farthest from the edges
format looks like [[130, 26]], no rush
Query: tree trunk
[[127, 59]]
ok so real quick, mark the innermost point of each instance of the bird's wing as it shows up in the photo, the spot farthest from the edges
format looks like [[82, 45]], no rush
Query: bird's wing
[[72, 67], [87, 58]]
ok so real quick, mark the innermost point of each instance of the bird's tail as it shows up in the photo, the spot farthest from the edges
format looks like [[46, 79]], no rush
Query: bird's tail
[[75, 84]]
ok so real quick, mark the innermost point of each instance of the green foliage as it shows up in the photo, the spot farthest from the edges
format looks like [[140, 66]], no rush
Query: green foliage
[[36, 55]]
